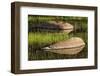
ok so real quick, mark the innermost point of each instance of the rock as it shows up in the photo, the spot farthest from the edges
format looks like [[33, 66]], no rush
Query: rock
[[65, 27], [52, 26], [71, 46]]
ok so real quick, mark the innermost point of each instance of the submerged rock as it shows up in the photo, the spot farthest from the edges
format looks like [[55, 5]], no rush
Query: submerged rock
[[71, 46]]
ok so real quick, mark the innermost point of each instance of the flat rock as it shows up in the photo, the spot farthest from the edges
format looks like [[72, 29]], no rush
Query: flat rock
[[71, 46]]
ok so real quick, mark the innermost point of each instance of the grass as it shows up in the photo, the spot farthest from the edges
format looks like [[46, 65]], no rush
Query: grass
[[41, 39]]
